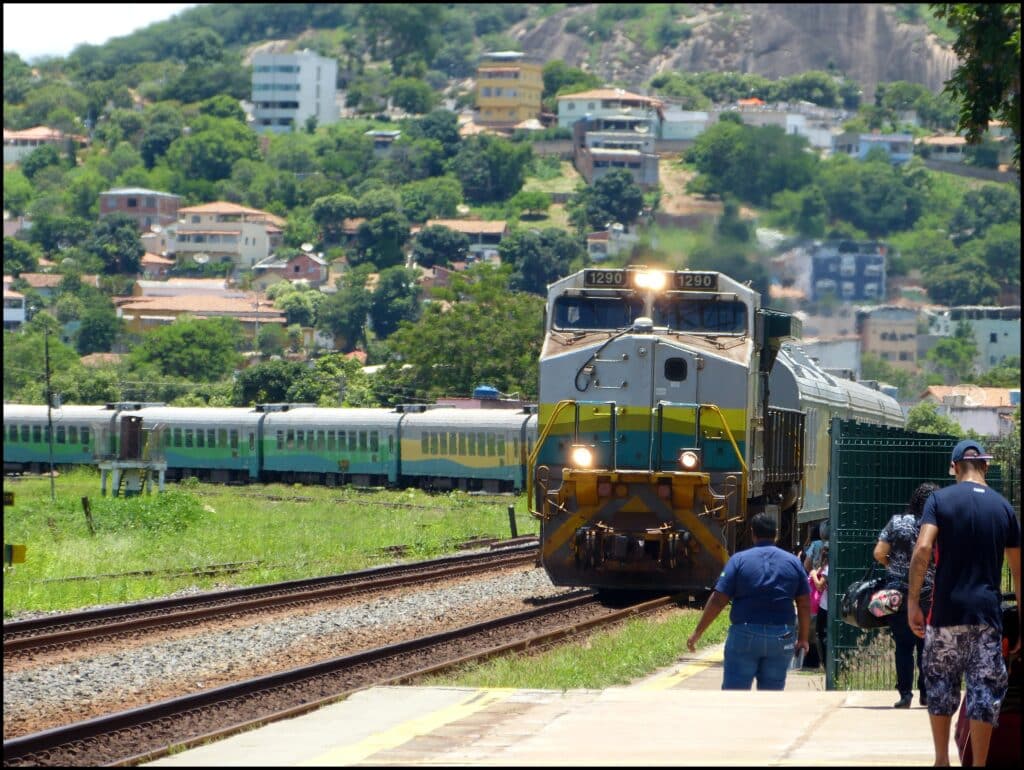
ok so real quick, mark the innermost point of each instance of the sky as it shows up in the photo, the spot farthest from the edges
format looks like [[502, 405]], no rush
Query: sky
[[55, 29]]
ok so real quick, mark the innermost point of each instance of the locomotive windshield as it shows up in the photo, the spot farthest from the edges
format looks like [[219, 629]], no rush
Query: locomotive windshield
[[688, 315], [597, 312]]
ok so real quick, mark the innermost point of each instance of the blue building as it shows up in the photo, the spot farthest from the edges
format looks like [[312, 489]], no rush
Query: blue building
[[848, 270]]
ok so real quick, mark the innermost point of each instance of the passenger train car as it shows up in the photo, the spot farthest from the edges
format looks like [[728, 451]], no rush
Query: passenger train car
[[432, 447], [672, 408]]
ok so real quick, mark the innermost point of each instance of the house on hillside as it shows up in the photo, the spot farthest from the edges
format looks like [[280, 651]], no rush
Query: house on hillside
[[302, 267], [251, 311], [146, 207], [988, 411], [290, 88], [14, 308], [225, 232], [155, 267], [18, 145], [996, 330], [508, 89], [484, 236]]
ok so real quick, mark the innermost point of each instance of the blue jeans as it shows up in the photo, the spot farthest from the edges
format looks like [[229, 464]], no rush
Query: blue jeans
[[761, 651]]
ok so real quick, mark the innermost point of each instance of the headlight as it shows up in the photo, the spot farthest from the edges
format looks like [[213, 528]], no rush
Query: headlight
[[581, 456], [651, 280], [689, 461]]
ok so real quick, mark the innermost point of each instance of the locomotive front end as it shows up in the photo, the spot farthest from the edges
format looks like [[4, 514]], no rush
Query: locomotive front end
[[639, 476]]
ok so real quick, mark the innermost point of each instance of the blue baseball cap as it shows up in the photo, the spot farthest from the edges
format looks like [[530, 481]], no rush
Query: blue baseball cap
[[969, 449]]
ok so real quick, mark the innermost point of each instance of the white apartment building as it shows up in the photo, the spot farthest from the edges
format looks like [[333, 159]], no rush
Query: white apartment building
[[996, 330], [289, 88]]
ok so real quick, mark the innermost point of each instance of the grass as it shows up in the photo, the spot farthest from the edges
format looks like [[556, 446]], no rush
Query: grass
[[565, 181], [192, 526], [607, 658]]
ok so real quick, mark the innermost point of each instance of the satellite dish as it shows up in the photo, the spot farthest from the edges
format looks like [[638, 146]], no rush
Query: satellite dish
[[201, 258], [156, 229], [306, 247]]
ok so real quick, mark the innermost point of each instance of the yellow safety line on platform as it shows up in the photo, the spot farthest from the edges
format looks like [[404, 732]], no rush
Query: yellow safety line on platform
[[685, 671], [413, 728]]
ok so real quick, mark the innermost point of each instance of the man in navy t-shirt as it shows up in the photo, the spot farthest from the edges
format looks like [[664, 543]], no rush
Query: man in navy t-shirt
[[970, 527], [762, 582]]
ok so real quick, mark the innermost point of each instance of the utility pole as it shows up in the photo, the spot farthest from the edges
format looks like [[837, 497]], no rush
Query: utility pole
[[49, 405]]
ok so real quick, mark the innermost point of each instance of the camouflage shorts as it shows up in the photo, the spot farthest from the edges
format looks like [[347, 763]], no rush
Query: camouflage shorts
[[972, 653]]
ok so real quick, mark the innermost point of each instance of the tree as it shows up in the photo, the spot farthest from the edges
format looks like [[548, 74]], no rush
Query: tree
[[1000, 250], [20, 256], [954, 356], [439, 245], [986, 83], [330, 213], [270, 340], [99, 330], [266, 383], [491, 168], [212, 148], [17, 191], [540, 257], [965, 281], [412, 95], [115, 240], [222, 106], [344, 313], [615, 197], [435, 198], [40, 158], [1004, 375], [395, 299], [379, 240], [535, 203], [441, 125], [197, 349], [924, 418]]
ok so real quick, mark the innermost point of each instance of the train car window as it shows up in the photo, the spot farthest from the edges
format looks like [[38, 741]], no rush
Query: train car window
[[280, 439], [444, 442], [433, 443], [462, 443], [453, 442], [351, 441], [60, 434], [501, 445], [424, 442], [234, 439], [200, 437], [675, 369], [491, 445], [362, 440], [330, 440], [85, 437], [374, 440], [686, 315], [12, 433], [596, 312], [177, 437], [222, 438], [471, 441], [24, 434], [515, 447], [72, 434], [391, 443], [211, 438], [46, 434], [188, 437], [300, 439], [321, 439], [252, 441], [290, 440], [37, 434]]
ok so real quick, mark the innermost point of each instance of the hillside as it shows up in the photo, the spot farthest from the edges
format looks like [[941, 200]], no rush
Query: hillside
[[866, 42]]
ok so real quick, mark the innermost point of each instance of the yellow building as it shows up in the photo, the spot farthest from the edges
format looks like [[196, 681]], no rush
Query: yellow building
[[508, 88]]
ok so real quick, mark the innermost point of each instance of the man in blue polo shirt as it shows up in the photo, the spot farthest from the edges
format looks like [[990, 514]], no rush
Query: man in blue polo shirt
[[970, 527], [762, 583]]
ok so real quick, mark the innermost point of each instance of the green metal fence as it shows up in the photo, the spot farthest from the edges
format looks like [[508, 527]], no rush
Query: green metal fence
[[873, 471]]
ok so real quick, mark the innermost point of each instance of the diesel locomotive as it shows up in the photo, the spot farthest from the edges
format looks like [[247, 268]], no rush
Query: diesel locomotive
[[672, 408]]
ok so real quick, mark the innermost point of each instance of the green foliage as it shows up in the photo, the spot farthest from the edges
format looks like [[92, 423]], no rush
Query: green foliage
[[20, 256], [24, 358], [965, 281], [412, 95], [490, 168], [99, 330], [17, 191], [986, 82], [198, 349], [170, 511], [439, 245], [211, 149], [266, 382], [435, 198], [395, 300], [1005, 375], [540, 257], [115, 241], [954, 356], [344, 313], [924, 418], [615, 197]]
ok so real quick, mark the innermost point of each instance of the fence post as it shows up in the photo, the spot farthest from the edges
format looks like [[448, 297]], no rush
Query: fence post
[[512, 520], [87, 507]]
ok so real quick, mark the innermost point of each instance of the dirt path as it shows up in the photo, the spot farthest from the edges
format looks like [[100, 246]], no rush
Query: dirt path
[[674, 199]]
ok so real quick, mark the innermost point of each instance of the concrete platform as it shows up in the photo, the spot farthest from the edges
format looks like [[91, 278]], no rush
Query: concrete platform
[[680, 716]]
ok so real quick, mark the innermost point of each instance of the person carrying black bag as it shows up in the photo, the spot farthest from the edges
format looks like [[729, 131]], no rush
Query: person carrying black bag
[[893, 551]]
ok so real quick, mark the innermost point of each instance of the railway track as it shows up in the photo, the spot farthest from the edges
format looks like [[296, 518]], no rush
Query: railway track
[[143, 734], [65, 630]]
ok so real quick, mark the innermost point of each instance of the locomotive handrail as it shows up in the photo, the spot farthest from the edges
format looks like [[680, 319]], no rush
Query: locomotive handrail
[[531, 461], [659, 408], [735, 447]]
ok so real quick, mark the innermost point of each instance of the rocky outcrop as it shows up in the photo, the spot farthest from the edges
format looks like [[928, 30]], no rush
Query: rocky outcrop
[[862, 40]]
